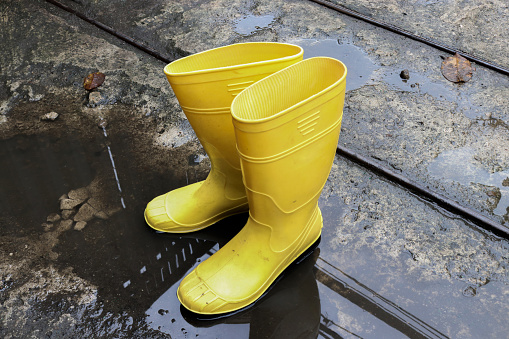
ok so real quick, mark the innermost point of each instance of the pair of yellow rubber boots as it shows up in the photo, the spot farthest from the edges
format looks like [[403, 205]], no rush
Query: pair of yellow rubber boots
[[270, 123]]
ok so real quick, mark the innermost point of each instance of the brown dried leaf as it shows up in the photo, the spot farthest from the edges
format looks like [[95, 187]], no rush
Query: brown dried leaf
[[457, 69], [93, 80]]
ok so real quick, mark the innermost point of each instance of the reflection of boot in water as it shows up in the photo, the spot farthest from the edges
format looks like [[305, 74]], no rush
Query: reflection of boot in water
[[290, 309], [163, 259]]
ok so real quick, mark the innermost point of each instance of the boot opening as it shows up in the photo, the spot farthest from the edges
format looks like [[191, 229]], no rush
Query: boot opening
[[289, 87], [237, 55]]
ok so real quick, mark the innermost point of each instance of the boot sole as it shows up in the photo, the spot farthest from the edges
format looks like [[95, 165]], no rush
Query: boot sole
[[212, 318]]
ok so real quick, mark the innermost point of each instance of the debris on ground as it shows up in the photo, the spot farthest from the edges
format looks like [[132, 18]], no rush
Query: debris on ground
[[80, 194], [94, 99], [53, 217], [80, 225], [47, 226], [85, 213], [457, 69], [66, 225], [93, 80], [51, 116], [405, 74]]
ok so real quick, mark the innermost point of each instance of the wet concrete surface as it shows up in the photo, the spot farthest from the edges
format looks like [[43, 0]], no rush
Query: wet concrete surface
[[387, 119], [470, 26], [76, 258]]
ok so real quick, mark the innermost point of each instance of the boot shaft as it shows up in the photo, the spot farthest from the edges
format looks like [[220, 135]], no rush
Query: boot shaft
[[206, 83], [287, 128], [210, 80]]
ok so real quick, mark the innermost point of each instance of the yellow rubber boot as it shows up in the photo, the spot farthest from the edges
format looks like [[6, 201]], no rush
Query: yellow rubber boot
[[205, 85], [287, 127]]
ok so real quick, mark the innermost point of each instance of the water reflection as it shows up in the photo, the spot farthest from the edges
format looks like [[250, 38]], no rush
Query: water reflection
[[375, 304], [290, 309], [360, 67], [458, 165], [251, 24], [137, 271]]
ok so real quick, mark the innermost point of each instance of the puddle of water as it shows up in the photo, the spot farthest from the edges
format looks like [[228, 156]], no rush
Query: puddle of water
[[137, 271], [350, 312], [251, 24], [36, 170], [458, 165], [418, 83], [421, 84], [388, 297], [291, 309], [359, 65]]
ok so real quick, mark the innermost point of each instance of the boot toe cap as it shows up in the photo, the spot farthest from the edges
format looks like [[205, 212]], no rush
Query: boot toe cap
[[157, 216], [196, 296]]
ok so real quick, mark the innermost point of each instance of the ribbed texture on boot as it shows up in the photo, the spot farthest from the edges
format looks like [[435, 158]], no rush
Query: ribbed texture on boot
[[286, 127], [289, 87], [237, 55], [205, 85]]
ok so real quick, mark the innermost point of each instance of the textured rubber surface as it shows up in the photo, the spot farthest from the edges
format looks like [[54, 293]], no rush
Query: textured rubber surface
[[205, 85], [287, 127]]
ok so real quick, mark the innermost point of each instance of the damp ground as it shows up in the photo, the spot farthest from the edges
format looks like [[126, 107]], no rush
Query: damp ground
[[102, 272], [77, 259]]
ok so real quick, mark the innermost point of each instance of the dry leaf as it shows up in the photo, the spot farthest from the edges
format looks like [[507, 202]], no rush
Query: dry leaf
[[457, 69], [93, 80]]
